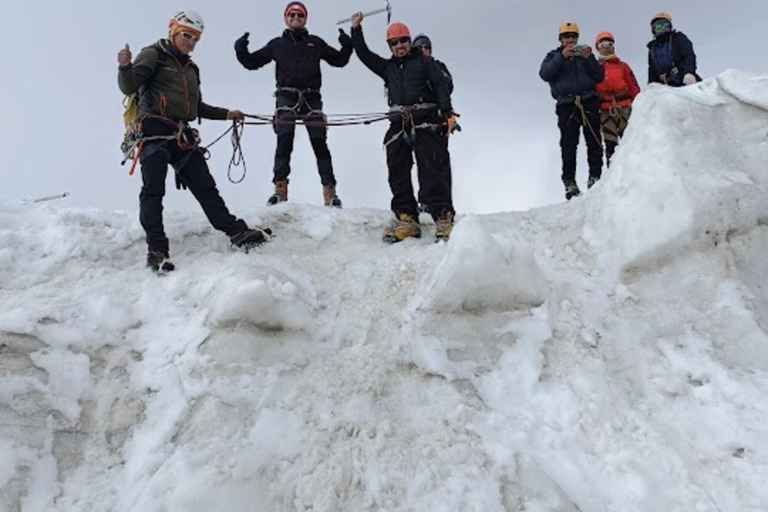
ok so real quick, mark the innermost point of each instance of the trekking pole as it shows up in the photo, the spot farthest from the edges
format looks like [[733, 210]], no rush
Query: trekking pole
[[387, 9], [50, 198]]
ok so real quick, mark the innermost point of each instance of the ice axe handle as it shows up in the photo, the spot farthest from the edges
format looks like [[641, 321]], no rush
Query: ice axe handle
[[365, 15]]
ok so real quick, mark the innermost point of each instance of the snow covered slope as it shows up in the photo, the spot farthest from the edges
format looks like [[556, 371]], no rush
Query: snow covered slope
[[608, 354]]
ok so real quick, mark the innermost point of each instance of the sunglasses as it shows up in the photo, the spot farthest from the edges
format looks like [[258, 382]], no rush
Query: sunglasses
[[569, 35], [425, 47], [394, 42], [605, 44], [190, 36], [296, 14]]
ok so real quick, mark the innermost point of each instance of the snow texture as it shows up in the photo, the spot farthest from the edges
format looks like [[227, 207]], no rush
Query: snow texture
[[605, 354]]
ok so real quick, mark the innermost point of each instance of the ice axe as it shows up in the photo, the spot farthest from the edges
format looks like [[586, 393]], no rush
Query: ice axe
[[387, 9]]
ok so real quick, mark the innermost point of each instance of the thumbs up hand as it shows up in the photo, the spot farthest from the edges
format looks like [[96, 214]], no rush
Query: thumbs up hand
[[124, 56]]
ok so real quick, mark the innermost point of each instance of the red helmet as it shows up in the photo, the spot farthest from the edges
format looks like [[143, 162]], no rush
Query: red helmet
[[397, 30], [603, 36]]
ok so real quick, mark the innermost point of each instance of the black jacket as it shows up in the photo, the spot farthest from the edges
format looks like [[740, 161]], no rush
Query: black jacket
[[297, 55], [571, 77], [411, 80], [683, 56], [447, 74]]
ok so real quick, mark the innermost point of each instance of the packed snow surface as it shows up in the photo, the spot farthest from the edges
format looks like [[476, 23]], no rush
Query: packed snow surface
[[606, 354]]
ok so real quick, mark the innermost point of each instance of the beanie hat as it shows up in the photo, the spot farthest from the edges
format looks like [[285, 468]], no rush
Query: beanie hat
[[295, 6]]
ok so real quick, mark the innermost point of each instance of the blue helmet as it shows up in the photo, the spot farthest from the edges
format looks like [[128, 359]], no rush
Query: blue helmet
[[422, 40]]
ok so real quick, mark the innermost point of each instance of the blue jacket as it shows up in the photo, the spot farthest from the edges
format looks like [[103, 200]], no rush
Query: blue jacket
[[682, 56], [571, 77]]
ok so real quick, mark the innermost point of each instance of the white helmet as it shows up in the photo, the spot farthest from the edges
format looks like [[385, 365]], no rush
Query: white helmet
[[189, 19]]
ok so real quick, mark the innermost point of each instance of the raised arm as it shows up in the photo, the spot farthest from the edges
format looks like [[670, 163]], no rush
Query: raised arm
[[253, 60], [372, 61], [551, 66], [335, 58], [131, 77], [595, 69]]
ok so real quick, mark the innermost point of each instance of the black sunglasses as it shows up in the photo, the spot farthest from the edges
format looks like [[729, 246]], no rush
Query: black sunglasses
[[296, 14], [425, 47], [394, 42]]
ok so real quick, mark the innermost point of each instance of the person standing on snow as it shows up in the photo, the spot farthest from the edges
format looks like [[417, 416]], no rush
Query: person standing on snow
[[169, 98], [671, 59], [423, 43], [573, 74], [617, 92], [297, 54], [420, 106]]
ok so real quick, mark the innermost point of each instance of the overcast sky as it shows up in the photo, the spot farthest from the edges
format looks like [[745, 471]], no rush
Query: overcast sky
[[63, 115]]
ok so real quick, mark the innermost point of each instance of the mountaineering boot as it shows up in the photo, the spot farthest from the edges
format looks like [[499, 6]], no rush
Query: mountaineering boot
[[402, 228], [159, 261], [280, 195], [329, 196], [443, 227], [250, 238], [592, 180], [571, 190]]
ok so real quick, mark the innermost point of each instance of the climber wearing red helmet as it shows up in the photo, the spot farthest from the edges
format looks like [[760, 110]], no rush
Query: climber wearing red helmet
[[617, 92]]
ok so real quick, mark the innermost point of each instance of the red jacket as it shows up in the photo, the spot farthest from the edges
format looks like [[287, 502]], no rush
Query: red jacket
[[620, 84]]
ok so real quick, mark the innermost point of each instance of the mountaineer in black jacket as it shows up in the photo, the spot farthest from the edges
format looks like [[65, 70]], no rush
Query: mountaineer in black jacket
[[420, 105], [671, 59], [297, 54], [573, 74]]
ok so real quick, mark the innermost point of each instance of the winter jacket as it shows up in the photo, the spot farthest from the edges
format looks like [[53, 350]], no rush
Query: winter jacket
[[571, 77], [683, 59], [620, 84], [447, 75], [297, 55], [168, 83], [411, 80]]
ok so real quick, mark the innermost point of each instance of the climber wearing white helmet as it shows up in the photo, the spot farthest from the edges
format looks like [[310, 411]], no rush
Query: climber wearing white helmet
[[168, 85]]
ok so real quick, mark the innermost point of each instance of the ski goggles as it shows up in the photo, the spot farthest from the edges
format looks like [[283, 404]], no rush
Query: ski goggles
[[605, 44], [661, 25], [401, 40], [190, 36]]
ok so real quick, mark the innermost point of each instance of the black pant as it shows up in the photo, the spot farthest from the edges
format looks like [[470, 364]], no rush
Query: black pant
[[433, 171], [570, 121], [309, 110], [193, 171], [450, 175]]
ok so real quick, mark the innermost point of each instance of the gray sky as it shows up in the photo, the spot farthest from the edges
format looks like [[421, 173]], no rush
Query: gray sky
[[63, 113]]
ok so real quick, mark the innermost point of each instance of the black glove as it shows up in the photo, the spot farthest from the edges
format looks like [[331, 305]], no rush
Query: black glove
[[242, 43], [344, 38], [180, 185]]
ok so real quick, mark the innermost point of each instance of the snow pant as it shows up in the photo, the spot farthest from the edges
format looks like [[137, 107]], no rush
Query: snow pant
[[613, 121], [445, 139], [308, 107], [433, 168], [571, 121], [192, 171]]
